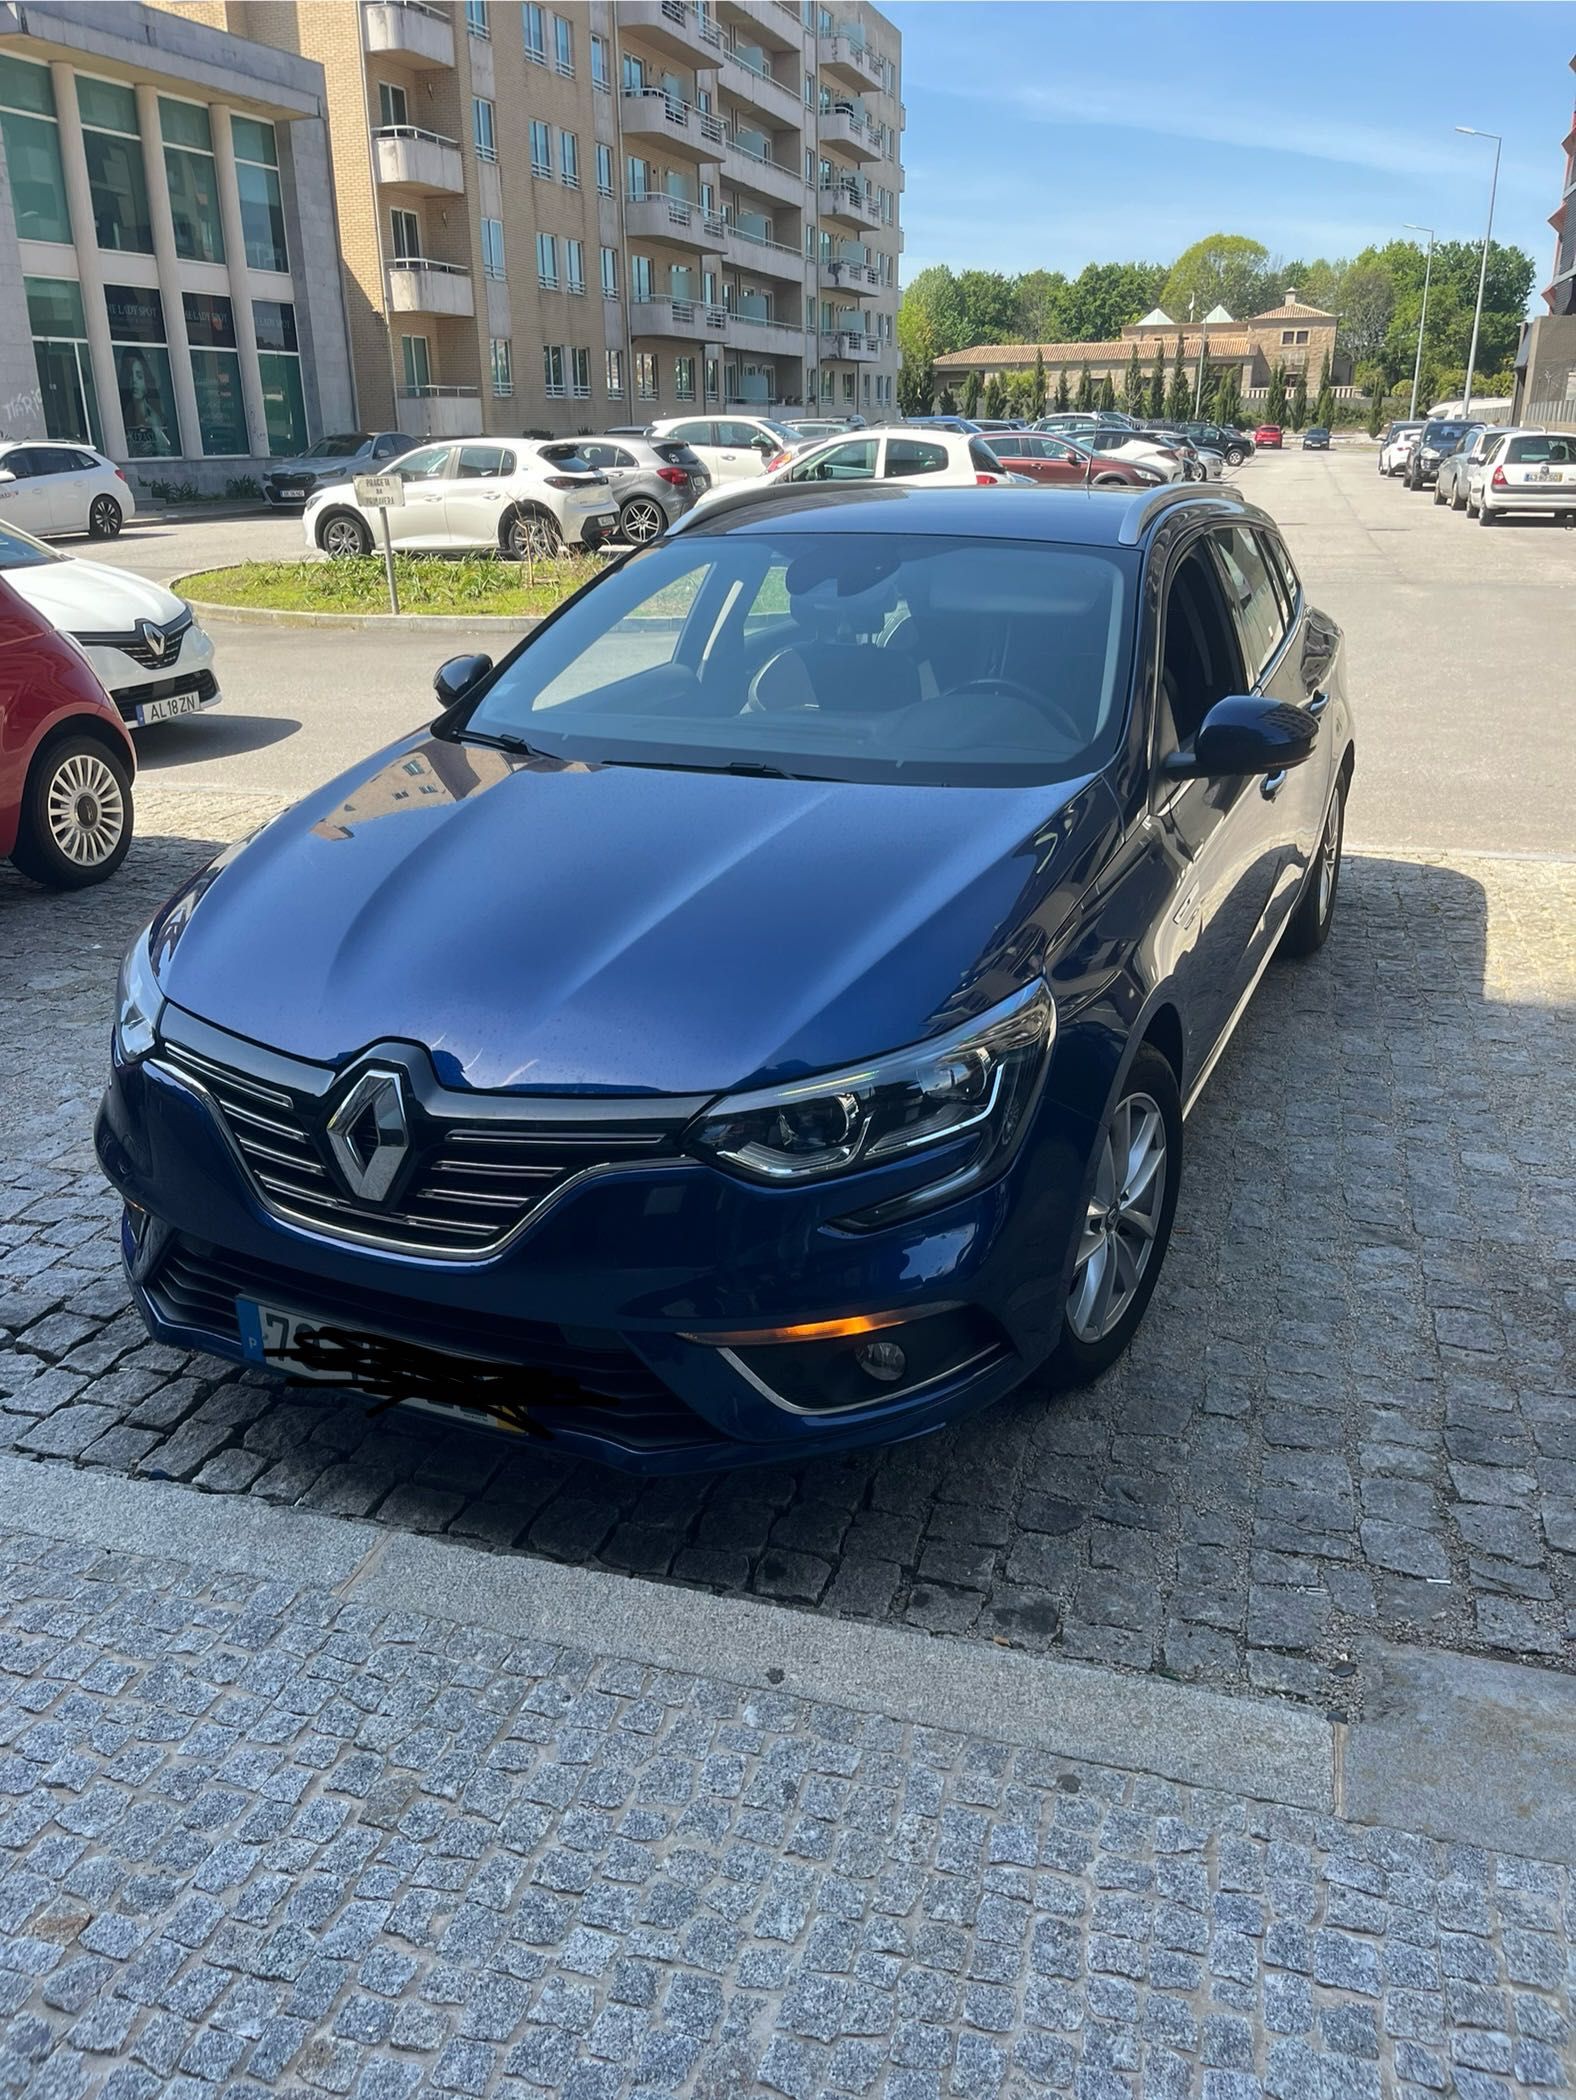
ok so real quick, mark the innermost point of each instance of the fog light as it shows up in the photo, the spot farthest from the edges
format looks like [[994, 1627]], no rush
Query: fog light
[[883, 1361]]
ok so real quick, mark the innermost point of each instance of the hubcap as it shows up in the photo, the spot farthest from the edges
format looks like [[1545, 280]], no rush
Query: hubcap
[[1329, 860], [1122, 1219], [86, 811], [106, 515], [642, 521]]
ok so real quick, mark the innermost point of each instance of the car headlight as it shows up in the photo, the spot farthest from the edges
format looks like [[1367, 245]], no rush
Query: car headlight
[[138, 1004], [975, 1084]]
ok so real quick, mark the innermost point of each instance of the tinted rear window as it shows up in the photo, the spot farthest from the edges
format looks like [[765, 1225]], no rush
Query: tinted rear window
[[674, 454]]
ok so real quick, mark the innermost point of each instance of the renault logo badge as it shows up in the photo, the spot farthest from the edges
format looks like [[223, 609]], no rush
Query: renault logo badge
[[370, 1134], [153, 639]]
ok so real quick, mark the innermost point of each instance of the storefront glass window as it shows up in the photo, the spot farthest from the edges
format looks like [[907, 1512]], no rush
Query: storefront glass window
[[32, 151], [216, 374], [262, 208], [194, 189], [60, 350], [115, 173], [142, 371], [280, 366]]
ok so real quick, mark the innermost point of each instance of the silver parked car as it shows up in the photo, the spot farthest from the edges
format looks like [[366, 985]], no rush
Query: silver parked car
[[654, 480], [1450, 485]]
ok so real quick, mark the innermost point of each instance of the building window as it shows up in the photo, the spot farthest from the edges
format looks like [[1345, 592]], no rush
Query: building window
[[115, 174], [637, 179], [492, 248], [553, 369], [547, 261], [142, 371], [262, 208], [575, 265], [634, 74], [809, 91], [393, 110], [32, 152], [646, 375], [534, 34], [405, 228], [563, 46], [502, 367], [580, 374], [482, 129], [476, 18], [541, 149], [609, 273], [60, 351], [601, 75], [604, 171], [615, 373], [684, 379], [216, 374], [1302, 335], [642, 278], [569, 159], [194, 190], [279, 364], [415, 364], [713, 379]]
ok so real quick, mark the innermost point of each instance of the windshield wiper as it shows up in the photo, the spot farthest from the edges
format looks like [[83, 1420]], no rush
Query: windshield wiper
[[754, 768], [503, 740]]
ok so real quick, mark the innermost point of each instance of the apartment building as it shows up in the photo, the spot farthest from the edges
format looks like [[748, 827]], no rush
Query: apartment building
[[1545, 390], [169, 280], [559, 217]]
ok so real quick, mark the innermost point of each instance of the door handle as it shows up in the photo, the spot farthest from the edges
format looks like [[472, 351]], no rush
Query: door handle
[[1318, 703], [1271, 785]]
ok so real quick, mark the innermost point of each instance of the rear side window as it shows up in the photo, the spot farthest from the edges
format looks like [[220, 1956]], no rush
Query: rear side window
[[674, 454], [477, 462], [693, 434], [1251, 595], [908, 456], [984, 461]]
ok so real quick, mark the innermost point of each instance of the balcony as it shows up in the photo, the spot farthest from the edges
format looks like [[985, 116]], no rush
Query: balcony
[[762, 255], [679, 320], [778, 25], [845, 129], [674, 222], [406, 29], [845, 346], [844, 203], [852, 280], [774, 338], [440, 411], [672, 27], [749, 170], [742, 76], [677, 127], [417, 285], [849, 62], [419, 160]]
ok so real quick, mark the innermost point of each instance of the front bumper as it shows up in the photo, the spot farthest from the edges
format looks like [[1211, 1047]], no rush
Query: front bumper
[[613, 1284], [184, 682]]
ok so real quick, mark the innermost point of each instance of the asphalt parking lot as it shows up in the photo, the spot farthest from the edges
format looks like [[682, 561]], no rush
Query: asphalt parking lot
[[1349, 1413]]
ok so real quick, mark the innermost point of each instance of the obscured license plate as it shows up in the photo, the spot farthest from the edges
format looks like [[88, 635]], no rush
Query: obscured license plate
[[291, 489], [1549, 474], [174, 704]]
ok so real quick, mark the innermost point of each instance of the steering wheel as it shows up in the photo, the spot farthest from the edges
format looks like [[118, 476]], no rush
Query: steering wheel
[[754, 704], [1053, 710]]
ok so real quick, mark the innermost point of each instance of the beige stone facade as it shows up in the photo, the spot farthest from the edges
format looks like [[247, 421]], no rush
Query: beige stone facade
[[557, 218]]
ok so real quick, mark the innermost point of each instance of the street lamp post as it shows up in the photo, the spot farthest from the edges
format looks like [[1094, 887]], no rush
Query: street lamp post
[[1477, 312], [1422, 319]]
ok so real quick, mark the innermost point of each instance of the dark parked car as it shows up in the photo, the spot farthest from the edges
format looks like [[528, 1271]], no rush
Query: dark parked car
[[66, 760], [756, 1017], [339, 458], [1316, 438], [1435, 445], [1234, 446]]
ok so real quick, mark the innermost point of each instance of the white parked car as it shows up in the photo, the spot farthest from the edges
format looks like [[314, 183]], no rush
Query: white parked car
[[1527, 470], [734, 447], [519, 496], [1399, 445], [1134, 450], [47, 486], [937, 456], [151, 656]]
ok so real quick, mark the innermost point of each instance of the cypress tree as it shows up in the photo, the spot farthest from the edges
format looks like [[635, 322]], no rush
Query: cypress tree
[[1063, 392], [1157, 383], [1085, 395], [1179, 403], [971, 394], [1299, 401], [1037, 398], [1133, 393]]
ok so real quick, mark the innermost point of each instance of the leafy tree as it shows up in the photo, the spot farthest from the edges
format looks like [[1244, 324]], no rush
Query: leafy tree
[[1018, 387], [971, 394], [1179, 402], [1105, 297], [1105, 398], [1275, 400], [989, 307], [1223, 269], [916, 380], [1133, 390], [1041, 297], [1324, 403], [947, 405], [1299, 400], [933, 296], [1085, 395], [1037, 397], [1063, 392], [1157, 383], [1369, 303]]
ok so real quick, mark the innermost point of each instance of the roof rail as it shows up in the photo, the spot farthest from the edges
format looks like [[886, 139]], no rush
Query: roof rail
[[1142, 515]]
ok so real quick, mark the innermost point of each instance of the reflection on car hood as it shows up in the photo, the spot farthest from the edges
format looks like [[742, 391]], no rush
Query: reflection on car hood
[[617, 929], [88, 597], [335, 469]]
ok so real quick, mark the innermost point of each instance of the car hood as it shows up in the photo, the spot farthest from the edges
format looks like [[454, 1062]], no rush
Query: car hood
[[333, 469], [88, 596], [564, 928]]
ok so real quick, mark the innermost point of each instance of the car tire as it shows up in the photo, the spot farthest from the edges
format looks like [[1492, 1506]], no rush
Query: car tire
[[642, 520], [1439, 494], [1458, 496], [1308, 928], [1132, 1234], [343, 536], [75, 823], [105, 518], [1235, 457], [533, 535], [1485, 516]]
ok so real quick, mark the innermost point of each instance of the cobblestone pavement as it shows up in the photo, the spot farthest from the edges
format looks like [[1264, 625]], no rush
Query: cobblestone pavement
[[1349, 1410], [253, 1838]]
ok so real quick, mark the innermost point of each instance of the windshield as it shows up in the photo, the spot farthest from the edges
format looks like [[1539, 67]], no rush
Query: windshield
[[872, 656], [340, 447], [19, 550], [1439, 437]]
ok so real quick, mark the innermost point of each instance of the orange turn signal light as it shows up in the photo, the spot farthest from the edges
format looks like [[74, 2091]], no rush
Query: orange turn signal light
[[814, 1330]]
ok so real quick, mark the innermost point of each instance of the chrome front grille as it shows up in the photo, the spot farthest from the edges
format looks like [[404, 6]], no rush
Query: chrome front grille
[[140, 649], [464, 1187]]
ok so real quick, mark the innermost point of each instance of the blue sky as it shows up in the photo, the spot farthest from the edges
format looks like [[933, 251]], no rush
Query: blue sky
[[1046, 134]]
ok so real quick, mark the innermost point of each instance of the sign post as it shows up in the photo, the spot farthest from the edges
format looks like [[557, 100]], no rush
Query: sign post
[[383, 493]]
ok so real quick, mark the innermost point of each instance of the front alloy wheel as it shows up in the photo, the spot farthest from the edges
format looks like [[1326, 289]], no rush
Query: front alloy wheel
[[343, 537], [75, 819], [105, 518], [642, 520]]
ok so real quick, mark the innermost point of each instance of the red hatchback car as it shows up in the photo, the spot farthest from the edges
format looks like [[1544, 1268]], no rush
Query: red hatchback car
[[66, 761], [1268, 437], [1060, 462]]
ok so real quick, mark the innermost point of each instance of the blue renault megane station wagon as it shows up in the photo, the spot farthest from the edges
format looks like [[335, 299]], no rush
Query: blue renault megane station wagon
[[757, 1016]]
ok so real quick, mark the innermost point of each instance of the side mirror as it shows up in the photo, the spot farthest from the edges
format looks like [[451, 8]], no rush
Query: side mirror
[[1244, 735], [453, 680], [6, 474]]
